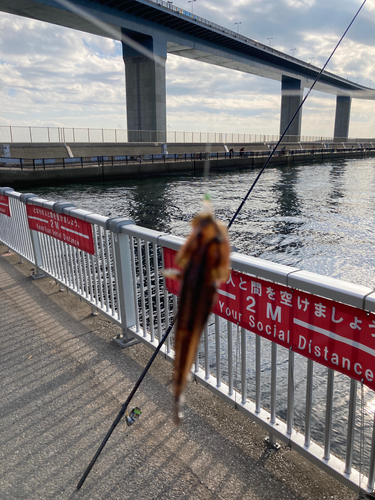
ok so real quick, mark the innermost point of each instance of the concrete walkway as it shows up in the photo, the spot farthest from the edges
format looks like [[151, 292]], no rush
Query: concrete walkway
[[63, 382]]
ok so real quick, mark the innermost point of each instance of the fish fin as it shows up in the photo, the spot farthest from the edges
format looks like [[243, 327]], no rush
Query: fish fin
[[171, 273]]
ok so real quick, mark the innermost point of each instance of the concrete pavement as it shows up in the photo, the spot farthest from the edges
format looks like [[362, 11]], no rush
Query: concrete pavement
[[63, 382]]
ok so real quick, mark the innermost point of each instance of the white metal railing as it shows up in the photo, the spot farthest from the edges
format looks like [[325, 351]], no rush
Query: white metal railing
[[121, 279], [66, 135]]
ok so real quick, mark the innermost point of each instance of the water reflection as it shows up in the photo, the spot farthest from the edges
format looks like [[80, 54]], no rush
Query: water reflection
[[150, 205], [287, 212], [337, 181]]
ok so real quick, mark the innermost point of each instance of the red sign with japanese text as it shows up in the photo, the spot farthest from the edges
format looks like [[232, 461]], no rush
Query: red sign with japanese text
[[4, 205], [70, 230], [333, 334]]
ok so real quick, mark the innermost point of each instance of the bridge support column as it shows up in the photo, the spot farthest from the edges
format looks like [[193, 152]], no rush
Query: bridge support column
[[291, 98], [342, 120], [145, 89]]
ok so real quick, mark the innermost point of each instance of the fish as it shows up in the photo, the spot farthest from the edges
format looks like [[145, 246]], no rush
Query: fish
[[204, 263]]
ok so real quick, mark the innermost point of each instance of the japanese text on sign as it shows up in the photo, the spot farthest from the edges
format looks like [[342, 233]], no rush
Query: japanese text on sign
[[333, 334], [4, 205], [70, 230]]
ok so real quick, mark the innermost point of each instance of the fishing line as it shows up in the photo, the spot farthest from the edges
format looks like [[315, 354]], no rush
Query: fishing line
[[291, 121]]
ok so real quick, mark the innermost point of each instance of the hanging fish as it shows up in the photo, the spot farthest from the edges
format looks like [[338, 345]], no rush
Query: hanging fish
[[204, 263]]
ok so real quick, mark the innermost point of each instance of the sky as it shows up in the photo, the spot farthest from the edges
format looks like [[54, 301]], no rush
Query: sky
[[56, 77]]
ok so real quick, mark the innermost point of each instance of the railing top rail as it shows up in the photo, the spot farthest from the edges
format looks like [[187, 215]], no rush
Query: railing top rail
[[358, 296]]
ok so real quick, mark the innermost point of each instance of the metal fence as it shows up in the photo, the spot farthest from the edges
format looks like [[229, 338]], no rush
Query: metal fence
[[106, 161], [19, 134], [122, 280]]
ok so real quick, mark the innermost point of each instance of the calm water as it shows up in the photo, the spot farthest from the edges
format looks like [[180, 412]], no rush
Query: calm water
[[317, 217]]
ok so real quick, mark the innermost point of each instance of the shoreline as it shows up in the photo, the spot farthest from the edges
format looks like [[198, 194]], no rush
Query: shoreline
[[42, 176]]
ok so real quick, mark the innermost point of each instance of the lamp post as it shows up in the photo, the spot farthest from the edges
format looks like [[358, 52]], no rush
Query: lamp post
[[238, 26], [192, 5], [311, 60], [269, 40], [293, 51]]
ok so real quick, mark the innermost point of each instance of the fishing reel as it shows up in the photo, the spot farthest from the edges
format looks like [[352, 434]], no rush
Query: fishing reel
[[133, 416]]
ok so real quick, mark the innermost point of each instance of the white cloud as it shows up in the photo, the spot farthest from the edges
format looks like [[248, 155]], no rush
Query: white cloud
[[300, 4]]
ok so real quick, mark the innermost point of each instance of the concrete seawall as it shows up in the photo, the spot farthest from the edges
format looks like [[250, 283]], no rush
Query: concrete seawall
[[16, 177]]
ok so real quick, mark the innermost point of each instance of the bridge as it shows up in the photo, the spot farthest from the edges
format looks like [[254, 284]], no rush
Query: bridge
[[149, 30]]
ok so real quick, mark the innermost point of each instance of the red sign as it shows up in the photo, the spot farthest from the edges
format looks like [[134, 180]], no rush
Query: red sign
[[70, 230], [333, 334], [4, 205]]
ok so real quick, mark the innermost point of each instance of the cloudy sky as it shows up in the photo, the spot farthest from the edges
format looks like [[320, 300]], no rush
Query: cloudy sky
[[53, 76]]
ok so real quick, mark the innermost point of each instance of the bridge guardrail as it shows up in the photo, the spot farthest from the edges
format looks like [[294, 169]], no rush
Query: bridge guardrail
[[120, 277]]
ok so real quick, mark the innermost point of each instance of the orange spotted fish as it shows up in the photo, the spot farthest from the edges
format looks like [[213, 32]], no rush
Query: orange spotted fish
[[204, 263]]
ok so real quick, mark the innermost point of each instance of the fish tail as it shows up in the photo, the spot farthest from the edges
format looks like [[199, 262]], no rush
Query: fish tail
[[177, 410]]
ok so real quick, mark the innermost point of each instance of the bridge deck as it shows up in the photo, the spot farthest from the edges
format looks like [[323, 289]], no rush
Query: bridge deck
[[64, 382]]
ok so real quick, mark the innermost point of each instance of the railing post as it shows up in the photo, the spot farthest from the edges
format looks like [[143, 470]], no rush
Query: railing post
[[124, 278], [218, 351], [230, 358], [309, 388], [328, 422], [290, 407], [272, 438], [351, 426], [35, 243], [243, 366], [257, 372], [371, 474]]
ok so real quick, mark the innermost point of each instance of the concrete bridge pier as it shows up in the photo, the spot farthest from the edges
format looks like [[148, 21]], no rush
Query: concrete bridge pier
[[342, 120], [291, 98], [145, 61]]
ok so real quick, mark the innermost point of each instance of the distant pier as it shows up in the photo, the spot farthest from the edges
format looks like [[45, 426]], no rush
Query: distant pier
[[43, 164]]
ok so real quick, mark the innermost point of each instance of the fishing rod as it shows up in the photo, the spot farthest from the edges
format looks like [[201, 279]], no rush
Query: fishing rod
[[136, 412]]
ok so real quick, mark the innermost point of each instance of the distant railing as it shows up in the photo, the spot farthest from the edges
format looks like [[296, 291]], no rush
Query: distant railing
[[104, 161], [114, 265], [22, 134]]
